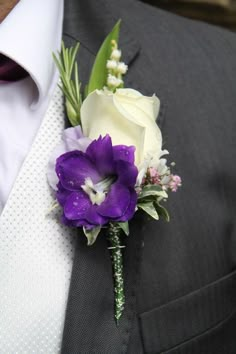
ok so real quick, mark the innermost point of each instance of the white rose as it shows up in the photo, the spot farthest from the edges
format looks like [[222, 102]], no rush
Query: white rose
[[128, 117]]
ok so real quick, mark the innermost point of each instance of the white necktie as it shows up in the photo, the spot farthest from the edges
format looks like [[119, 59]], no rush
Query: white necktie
[[36, 252]]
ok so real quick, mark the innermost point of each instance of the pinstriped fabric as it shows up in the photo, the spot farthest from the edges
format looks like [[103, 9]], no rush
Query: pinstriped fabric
[[191, 67], [198, 312], [36, 252]]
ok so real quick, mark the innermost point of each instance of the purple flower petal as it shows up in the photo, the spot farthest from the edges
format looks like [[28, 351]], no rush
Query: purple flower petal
[[66, 221], [73, 167], [77, 205], [62, 194], [116, 202], [99, 162], [127, 173], [76, 223], [73, 133], [101, 153], [92, 216], [131, 208], [72, 139], [123, 152]]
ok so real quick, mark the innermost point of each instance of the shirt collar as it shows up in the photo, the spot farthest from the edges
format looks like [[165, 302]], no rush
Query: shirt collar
[[29, 35]]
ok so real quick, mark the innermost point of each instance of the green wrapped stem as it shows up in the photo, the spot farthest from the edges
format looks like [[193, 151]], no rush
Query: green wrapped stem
[[115, 247]]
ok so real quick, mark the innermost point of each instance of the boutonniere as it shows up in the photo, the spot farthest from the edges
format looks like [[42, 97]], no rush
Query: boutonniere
[[110, 162]]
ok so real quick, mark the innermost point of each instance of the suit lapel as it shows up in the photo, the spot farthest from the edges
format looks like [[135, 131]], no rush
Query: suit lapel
[[35, 251], [90, 326]]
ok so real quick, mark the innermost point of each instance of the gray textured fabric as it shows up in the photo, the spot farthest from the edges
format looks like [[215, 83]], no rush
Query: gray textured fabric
[[181, 285]]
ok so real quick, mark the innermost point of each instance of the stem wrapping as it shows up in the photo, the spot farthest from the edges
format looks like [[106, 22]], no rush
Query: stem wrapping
[[114, 239]]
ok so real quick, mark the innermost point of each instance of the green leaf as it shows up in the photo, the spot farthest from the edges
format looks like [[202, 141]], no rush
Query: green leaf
[[73, 116], [86, 91], [124, 226], [98, 76], [92, 234], [152, 190], [70, 84], [150, 209], [162, 211]]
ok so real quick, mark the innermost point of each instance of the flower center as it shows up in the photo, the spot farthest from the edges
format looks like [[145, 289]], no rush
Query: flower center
[[97, 192]]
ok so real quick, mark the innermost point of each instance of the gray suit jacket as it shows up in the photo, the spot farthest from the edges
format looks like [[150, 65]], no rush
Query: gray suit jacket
[[181, 276]]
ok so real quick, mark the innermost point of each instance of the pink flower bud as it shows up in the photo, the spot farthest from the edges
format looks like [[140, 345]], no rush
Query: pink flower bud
[[175, 182]]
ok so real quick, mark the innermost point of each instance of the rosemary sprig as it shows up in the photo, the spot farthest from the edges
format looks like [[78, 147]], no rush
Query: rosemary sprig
[[70, 84]]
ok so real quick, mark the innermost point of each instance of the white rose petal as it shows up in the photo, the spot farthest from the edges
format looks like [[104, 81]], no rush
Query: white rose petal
[[128, 117]]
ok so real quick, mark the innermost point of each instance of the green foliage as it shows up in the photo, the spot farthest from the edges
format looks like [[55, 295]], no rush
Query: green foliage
[[149, 201], [70, 85], [92, 234], [124, 226], [149, 208], [162, 211], [98, 77], [152, 191]]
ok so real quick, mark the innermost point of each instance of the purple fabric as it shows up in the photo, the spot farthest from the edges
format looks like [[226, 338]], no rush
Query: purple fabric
[[10, 70], [99, 162]]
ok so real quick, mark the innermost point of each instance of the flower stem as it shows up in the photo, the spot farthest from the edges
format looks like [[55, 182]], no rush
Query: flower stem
[[114, 238]]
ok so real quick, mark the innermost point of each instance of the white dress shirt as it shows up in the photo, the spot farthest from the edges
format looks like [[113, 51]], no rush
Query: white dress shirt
[[36, 250], [28, 35]]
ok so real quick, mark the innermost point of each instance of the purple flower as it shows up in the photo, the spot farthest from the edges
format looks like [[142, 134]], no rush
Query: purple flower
[[97, 186], [72, 139]]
